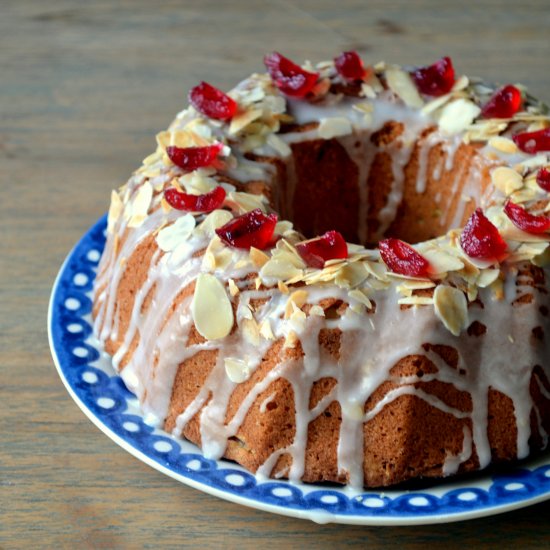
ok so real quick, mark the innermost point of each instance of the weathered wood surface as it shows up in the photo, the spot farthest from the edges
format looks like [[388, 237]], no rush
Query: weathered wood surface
[[84, 86]]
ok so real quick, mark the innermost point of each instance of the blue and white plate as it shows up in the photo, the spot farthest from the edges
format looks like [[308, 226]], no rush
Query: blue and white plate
[[91, 381]]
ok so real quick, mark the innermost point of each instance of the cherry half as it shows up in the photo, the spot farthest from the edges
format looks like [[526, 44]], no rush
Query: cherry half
[[533, 142], [504, 103], [212, 102], [543, 179], [437, 79], [403, 259], [525, 221], [481, 239], [350, 66], [316, 252], [251, 229], [191, 158], [290, 78], [195, 203]]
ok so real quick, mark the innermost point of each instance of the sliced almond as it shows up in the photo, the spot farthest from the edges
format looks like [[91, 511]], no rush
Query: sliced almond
[[451, 308], [173, 235], [503, 144], [457, 115], [237, 370], [140, 205], [506, 180], [402, 85], [258, 257], [211, 308], [333, 127], [243, 119], [115, 209]]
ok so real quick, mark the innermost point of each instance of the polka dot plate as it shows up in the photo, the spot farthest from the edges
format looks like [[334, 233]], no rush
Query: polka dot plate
[[91, 381]]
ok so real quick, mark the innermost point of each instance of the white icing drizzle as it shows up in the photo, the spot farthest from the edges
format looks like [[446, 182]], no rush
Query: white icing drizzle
[[159, 332]]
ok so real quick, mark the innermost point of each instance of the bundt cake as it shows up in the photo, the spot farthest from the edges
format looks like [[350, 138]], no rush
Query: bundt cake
[[338, 273]]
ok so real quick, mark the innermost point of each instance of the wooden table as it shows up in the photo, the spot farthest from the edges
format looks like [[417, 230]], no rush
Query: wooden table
[[84, 87]]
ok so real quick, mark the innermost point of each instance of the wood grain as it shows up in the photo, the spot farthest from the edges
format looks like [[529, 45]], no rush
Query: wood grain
[[84, 87]]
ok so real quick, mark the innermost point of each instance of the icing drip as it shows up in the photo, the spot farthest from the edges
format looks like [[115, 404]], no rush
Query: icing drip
[[161, 336]]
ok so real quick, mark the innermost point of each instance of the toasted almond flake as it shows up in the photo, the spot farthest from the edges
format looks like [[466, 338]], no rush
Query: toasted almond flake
[[237, 370], [291, 340], [333, 127], [506, 179], [402, 85], [247, 201], [278, 269], [282, 287], [266, 331], [487, 277], [251, 331], [451, 308], [361, 297], [243, 119], [215, 219], [317, 310], [211, 308], [461, 83], [442, 262], [115, 209], [140, 205], [170, 237], [233, 288], [416, 300], [279, 145], [503, 144], [542, 259], [258, 257], [435, 104], [298, 298], [457, 115]]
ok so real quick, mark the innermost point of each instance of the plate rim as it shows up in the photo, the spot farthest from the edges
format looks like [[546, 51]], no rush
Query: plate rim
[[315, 515]]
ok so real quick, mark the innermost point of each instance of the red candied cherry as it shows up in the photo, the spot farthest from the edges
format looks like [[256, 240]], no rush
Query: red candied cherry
[[525, 221], [504, 103], [533, 142], [290, 78], [437, 79], [251, 229], [403, 259], [316, 252], [195, 203], [212, 102], [350, 66], [543, 179], [481, 239], [191, 158]]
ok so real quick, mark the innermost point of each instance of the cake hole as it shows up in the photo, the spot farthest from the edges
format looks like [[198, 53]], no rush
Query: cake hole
[[538, 333], [544, 311]]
